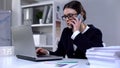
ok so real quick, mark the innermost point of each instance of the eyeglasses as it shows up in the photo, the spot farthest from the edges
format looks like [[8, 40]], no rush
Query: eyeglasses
[[69, 16]]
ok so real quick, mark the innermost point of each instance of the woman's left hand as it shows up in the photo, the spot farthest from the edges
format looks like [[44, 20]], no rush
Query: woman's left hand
[[76, 24]]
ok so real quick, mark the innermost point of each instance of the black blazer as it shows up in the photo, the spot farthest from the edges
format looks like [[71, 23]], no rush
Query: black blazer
[[91, 38]]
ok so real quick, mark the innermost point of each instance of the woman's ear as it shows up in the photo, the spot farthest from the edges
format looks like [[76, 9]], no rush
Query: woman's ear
[[82, 13]]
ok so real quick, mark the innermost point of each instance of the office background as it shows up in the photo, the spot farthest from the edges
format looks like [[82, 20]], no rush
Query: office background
[[104, 14]]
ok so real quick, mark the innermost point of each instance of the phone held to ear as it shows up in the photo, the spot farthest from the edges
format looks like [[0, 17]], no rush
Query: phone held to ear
[[80, 17]]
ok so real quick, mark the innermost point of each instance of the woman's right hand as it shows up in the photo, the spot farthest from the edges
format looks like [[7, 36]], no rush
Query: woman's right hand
[[41, 51]]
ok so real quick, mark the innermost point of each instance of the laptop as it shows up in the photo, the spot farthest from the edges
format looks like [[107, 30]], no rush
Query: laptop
[[24, 44]]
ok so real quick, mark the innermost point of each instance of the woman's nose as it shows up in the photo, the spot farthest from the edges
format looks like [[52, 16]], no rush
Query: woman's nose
[[67, 21]]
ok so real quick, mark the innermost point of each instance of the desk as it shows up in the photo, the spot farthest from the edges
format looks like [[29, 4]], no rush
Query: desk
[[14, 62]]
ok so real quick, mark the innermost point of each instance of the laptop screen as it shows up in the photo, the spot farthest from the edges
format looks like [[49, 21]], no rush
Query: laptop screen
[[23, 40]]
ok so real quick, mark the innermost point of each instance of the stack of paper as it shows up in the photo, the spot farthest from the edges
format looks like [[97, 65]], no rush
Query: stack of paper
[[103, 57]]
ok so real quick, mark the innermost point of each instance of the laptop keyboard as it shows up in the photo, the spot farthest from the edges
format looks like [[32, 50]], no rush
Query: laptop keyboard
[[43, 55]]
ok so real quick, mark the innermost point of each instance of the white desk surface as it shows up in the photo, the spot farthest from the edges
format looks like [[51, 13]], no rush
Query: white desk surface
[[14, 62]]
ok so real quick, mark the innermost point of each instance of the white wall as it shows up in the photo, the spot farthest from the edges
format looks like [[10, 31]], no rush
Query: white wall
[[16, 12], [105, 14]]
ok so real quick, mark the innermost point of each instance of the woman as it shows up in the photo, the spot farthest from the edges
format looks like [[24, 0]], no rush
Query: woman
[[77, 37]]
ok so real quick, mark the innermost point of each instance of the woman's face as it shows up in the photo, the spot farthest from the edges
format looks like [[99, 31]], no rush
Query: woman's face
[[69, 15]]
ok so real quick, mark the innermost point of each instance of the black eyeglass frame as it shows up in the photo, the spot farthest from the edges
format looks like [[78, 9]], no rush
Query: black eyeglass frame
[[69, 16]]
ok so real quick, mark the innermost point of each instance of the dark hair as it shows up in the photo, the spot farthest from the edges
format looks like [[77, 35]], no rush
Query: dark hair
[[77, 6]]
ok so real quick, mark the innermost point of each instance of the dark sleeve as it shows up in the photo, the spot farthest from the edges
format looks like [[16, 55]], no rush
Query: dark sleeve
[[61, 48], [93, 38]]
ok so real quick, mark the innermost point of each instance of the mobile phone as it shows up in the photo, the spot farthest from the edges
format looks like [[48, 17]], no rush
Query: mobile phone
[[80, 17]]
